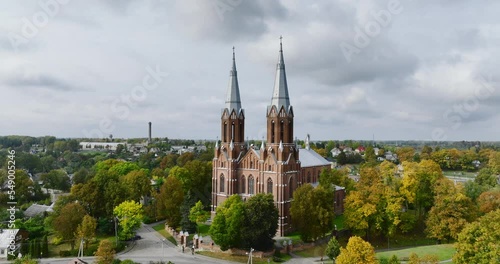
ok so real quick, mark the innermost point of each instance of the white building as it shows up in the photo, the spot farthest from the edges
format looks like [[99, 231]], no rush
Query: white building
[[6, 236]]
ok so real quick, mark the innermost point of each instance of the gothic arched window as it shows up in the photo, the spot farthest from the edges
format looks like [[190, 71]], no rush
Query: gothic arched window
[[222, 183], [243, 184], [269, 185], [250, 185]]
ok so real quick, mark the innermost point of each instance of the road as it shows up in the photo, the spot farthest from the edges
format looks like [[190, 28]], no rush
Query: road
[[149, 248]]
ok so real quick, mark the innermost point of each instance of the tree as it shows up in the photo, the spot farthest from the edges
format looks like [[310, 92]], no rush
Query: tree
[[80, 176], [23, 187], [56, 179], [197, 213], [86, 230], [105, 253], [342, 158], [332, 248], [405, 154], [364, 207], [489, 201], [330, 177], [186, 223], [130, 215], [478, 241], [66, 223], [486, 177], [228, 223], [172, 196], [357, 251], [394, 260], [184, 158], [312, 211], [494, 161], [45, 246], [201, 180], [183, 175], [261, 222], [137, 184], [452, 210]]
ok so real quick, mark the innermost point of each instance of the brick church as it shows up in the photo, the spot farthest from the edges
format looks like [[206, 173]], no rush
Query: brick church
[[278, 166]]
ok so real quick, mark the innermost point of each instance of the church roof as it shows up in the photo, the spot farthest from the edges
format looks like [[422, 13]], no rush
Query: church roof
[[37, 209], [309, 158], [233, 101]]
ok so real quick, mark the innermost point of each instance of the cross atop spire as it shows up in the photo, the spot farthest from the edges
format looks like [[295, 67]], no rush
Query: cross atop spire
[[281, 43], [233, 100]]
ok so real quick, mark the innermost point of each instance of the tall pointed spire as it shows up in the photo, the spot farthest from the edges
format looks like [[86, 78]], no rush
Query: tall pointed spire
[[233, 100], [280, 94]]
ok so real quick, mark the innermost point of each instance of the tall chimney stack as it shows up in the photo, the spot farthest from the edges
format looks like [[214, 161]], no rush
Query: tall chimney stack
[[149, 138]]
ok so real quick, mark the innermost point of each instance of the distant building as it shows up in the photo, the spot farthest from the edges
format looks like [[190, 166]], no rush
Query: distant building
[[278, 167], [10, 241], [38, 209]]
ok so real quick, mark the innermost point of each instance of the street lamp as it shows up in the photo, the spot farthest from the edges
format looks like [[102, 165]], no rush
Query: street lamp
[[250, 259], [162, 250]]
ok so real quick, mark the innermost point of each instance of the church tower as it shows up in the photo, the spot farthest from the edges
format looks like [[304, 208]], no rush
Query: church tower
[[232, 146], [281, 154]]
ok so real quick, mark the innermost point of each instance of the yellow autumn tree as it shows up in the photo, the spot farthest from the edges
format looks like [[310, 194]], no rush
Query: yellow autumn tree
[[452, 210], [357, 251]]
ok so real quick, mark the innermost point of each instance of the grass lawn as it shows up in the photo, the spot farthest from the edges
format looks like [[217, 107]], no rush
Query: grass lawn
[[464, 174], [444, 252], [203, 229], [241, 259], [294, 236], [339, 222], [317, 251], [160, 228], [55, 249]]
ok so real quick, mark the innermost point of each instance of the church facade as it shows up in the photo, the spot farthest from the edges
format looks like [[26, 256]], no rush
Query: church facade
[[278, 166]]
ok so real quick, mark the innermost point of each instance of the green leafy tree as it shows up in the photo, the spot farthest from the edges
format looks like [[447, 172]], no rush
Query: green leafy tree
[[137, 184], [81, 176], [312, 211], [45, 246], [330, 177], [23, 187], [105, 253], [186, 223], [228, 223], [56, 179], [123, 168], [486, 177], [332, 248], [478, 241], [130, 214], [66, 223], [172, 197], [87, 229], [357, 251], [201, 180], [198, 214], [394, 260], [261, 222]]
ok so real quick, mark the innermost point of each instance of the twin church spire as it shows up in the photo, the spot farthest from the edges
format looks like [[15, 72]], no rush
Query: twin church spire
[[280, 94], [233, 100], [279, 113]]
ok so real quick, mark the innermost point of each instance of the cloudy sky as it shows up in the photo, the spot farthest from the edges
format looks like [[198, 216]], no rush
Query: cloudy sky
[[392, 69]]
